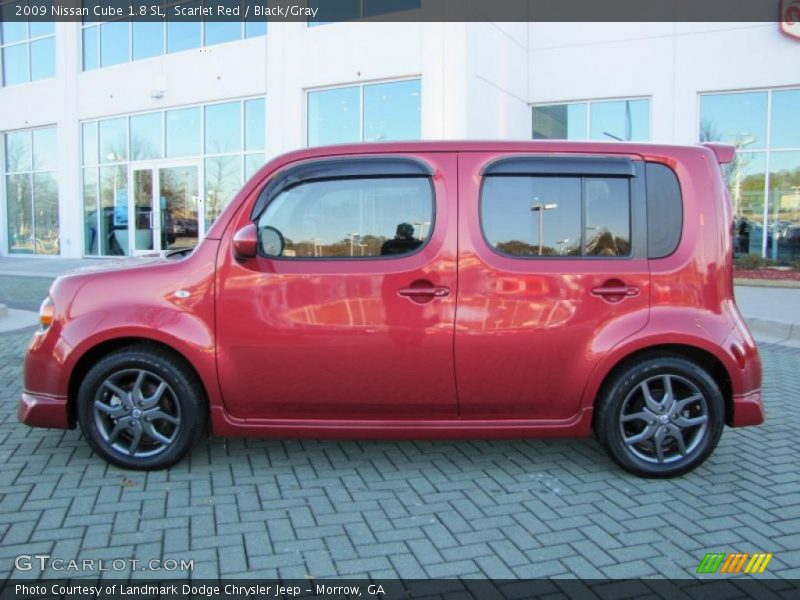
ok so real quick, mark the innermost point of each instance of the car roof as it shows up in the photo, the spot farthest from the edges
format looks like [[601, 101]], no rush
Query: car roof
[[543, 146]]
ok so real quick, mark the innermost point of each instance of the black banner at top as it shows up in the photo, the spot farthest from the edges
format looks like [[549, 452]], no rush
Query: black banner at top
[[324, 11]]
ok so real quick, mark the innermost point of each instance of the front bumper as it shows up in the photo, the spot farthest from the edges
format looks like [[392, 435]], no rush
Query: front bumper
[[748, 409], [37, 410]]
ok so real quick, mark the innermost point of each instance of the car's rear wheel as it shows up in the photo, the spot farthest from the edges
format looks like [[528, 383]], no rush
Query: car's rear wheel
[[141, 408], [660, 417]]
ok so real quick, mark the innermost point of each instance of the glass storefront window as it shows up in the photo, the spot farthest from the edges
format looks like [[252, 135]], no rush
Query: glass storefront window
[[223, 176], [602, 120], [746, 177], [147, 39], [254, 124], [114, 210], [560, 121], [113, 140], [785, 131], [255, 28], [252, 163], [15, 64], [44, 149], [43, 64], [182, 35], [91, 218], [389, 111], [27, 51], [113, 43], [183, 132], [623, 120], [164, 146], [147, 137], [91, 51], [739, 119], [392, 111], [32, 214], [221, 32], [784, 202], [764, 178], [19, 151], [223, 128], [334, 116], [20, 214], [89, 143]]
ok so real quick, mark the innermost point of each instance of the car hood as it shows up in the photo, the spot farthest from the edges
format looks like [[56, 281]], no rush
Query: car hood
[[126, 263]]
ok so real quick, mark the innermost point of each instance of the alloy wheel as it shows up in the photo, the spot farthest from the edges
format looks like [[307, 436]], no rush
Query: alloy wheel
[[663, 419], [137, 413]]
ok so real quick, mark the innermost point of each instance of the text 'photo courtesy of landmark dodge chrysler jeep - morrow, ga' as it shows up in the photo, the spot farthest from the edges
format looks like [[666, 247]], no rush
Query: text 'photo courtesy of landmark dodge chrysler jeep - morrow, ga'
[[421, 290]]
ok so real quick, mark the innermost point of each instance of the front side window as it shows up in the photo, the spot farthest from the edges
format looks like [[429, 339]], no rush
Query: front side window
[[606, 120], [529, 216], [28, 51], [349, 218]]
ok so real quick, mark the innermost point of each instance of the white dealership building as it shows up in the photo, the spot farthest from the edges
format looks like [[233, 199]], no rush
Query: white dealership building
[[123, 138]]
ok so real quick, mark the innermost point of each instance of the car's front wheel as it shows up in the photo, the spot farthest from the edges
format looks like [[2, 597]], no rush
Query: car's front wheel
[[660, 417], [141, 408]]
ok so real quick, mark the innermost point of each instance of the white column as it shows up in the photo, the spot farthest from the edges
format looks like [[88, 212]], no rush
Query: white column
[[70, 194]]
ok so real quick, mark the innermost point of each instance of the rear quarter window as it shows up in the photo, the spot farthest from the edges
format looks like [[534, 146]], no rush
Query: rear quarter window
[[664, 210]]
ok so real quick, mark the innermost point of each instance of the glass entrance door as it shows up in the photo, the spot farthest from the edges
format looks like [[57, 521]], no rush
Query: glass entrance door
[[179, 206], [165, 211]]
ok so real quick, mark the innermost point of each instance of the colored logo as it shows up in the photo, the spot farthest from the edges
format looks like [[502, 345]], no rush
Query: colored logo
[[734, 562], [789, 19]]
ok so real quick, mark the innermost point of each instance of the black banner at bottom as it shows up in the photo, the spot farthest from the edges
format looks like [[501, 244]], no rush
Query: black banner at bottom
[[711, 588]]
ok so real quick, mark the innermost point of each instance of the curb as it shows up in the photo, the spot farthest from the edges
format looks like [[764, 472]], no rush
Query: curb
[[768, 283], [775, 332]]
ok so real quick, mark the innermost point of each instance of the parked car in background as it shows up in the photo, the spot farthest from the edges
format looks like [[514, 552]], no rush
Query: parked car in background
[[422, 290]]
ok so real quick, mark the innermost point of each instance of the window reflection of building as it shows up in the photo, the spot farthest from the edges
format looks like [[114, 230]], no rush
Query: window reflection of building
[[765, 173], [224, 143], [27, 51], [604, 120], [372, 112], [31, 191], [115, 42]]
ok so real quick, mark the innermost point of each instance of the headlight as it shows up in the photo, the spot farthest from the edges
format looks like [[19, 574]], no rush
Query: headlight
[[46, 312]]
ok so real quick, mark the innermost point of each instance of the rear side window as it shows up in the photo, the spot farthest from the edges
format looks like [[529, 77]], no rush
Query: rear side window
[[532, 216], [357, 217], [664, 210]]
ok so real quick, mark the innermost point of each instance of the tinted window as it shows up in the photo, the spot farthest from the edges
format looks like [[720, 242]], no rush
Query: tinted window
[[664, 211], [358, 217], [557, 216]]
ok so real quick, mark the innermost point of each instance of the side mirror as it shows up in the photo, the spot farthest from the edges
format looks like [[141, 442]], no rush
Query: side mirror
[[245, 242], [272, 242]]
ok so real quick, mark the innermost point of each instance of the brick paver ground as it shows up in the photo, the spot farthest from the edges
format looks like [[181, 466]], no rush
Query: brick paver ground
[[536, 508]]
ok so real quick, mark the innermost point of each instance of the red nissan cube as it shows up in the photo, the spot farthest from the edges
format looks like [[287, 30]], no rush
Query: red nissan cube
[[421, 290]]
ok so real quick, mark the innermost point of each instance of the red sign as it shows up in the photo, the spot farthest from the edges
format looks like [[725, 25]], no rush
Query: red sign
[[789, 20]]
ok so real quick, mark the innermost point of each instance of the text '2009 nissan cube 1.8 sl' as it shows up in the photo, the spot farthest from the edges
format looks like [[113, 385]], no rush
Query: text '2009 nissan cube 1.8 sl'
[[422, 290]]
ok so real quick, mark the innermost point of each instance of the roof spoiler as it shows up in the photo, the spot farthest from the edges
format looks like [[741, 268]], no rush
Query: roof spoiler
[[725, 152]]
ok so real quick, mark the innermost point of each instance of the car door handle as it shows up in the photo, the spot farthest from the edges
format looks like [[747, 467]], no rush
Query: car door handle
[[628, 291], [433, 291]]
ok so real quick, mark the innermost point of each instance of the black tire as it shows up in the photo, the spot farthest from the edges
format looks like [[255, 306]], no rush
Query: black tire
[[624, 416], [114, 421]]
